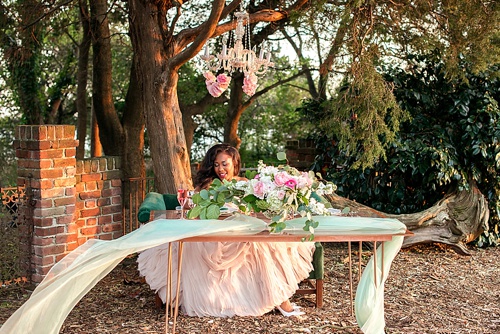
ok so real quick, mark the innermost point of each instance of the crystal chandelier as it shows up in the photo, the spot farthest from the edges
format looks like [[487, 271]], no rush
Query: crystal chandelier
[[235, 57]]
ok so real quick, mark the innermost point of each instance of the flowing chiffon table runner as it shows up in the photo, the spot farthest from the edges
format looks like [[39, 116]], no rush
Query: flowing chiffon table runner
[[71, 278]]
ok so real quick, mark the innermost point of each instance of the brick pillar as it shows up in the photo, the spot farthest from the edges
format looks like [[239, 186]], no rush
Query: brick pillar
[[46, 163]]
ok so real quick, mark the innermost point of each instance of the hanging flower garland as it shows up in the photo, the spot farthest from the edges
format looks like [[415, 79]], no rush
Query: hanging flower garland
[[250, 84], [216, 85]]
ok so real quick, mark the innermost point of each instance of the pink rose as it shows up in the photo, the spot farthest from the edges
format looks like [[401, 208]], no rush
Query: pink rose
[[250, 84], [291, 183], [214, 89], [209, 76], [223, 81], [259, 189], [216, 85]]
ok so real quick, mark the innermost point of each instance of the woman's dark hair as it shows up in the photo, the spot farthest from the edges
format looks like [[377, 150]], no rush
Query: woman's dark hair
[[206, 174]]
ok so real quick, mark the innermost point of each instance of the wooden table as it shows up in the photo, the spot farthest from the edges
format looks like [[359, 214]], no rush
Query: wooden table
[[295, 235]]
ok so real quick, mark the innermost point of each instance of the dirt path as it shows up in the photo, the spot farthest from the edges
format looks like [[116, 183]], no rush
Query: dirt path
[[430, 289]]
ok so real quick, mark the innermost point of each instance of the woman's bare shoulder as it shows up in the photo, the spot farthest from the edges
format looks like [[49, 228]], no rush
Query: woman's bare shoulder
[[240, 178]]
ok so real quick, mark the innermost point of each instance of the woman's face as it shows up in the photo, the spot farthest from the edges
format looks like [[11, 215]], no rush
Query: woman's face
[[224, 167]]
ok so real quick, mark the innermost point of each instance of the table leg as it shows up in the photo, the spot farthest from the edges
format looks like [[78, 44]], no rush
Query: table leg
[[350, 278], [178, 288], [375, 263], [168, 294]]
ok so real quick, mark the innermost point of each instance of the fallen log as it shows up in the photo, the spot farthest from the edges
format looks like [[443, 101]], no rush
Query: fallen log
[[456, 220]]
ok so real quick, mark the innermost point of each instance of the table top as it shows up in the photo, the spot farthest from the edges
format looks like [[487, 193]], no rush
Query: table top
[[290, 234]]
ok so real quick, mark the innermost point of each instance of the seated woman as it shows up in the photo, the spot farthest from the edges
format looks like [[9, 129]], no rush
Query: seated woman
[[225, 279]]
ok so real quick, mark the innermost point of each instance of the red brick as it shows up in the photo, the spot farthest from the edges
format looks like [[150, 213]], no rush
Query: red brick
[[111, 192], [105, 220], [40, 133], [116, 182], [106, 210], [111, 227], [51, 193], [80, 223], [91, 177], [64, 220], [91, 222], [49, 250], [90, 212], [91, 203], [107, 236], [51, 173], [43, 221], [90, 194], [117, 234], [62, 201], [71, 246], [45, 212], [71, 191], [66, 238], [118, 217], [68, 143], [70, 209], [71, 151], [43, 261], [43, 241], [47, 231], [92, 230], [90, 186], [44, 203], [47, 154], [103, 201]]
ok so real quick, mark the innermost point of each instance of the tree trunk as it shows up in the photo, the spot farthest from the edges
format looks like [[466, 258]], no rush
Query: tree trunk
[[81, 90], [158, 86], [133, 124], [234, 111], [456, 220], [110, 129]]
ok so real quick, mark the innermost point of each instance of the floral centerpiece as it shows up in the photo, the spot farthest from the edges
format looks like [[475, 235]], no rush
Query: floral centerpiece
[[278, 192]]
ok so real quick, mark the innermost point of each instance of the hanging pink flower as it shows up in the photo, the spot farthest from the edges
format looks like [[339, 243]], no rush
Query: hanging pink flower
[[216, 85], [250, 84], [223, 80]]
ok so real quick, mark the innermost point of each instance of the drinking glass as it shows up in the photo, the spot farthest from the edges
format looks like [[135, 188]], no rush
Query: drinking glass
[[182, 195]]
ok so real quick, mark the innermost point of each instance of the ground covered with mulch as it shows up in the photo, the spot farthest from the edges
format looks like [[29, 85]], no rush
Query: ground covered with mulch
[[430, 289]]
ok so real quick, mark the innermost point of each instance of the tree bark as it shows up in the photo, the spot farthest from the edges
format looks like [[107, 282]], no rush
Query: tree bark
[[110, 130], [81, 90], [456, 220]]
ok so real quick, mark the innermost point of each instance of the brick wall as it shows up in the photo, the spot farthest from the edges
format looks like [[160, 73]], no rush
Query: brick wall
[[70, 201], [300, 153]]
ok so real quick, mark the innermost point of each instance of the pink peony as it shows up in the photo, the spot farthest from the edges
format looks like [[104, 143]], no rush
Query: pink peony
[[281, 178], [291, 183], [250, 84]]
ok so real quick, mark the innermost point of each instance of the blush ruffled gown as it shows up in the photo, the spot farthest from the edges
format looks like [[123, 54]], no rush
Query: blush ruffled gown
[[224, 279]]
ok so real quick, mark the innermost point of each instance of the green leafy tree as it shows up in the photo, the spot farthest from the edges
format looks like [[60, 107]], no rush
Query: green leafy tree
[[451, 143]]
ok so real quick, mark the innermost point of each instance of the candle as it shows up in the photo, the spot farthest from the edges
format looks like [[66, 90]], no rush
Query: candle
[[268, 56], [224, 49], [261, 54], [207, 53]]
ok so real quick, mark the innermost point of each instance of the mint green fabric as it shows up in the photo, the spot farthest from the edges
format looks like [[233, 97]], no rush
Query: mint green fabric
[[72, 277], [318, 262], [170, 201]]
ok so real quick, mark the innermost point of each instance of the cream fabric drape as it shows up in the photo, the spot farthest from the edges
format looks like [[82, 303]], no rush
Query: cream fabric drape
[[70, 279]]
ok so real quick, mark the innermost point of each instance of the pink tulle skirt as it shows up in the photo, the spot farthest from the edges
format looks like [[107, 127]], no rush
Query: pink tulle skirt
[[225, 279]]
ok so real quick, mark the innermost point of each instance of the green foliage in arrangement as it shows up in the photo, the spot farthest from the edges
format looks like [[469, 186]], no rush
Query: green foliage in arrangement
[[451, 141]]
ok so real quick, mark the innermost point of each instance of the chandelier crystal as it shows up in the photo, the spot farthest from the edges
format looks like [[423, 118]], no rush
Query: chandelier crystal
[[236, 57]]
